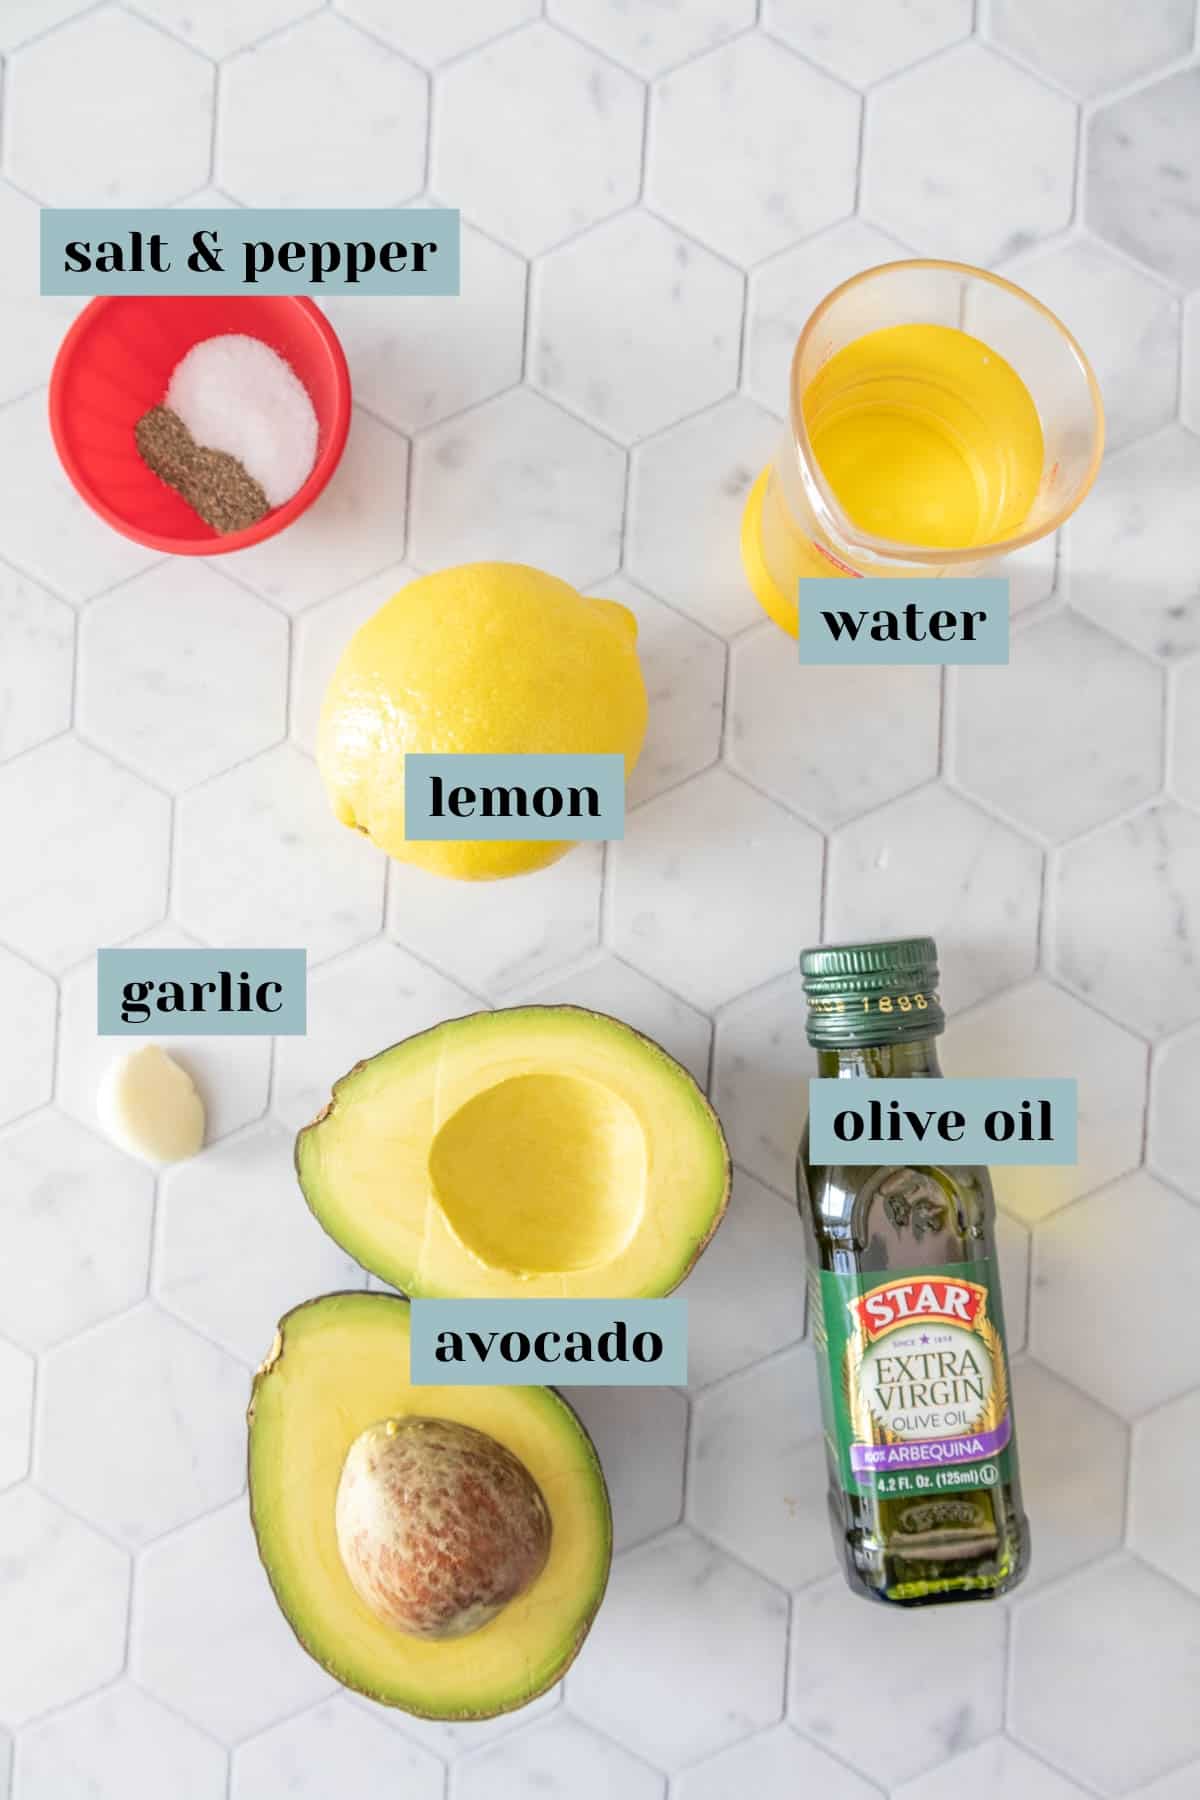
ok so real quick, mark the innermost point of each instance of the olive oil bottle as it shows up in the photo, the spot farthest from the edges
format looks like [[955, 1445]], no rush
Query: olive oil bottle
[[904, 1304]]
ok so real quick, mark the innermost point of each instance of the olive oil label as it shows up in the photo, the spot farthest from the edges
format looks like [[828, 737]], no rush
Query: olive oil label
[[915, 1393]]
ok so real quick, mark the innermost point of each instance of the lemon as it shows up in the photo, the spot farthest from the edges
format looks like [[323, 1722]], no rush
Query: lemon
[[492, 658]]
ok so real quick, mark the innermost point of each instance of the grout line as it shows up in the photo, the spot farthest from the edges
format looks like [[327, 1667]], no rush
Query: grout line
[[947, 696], [214, 126], [860, 156], [649, 111]]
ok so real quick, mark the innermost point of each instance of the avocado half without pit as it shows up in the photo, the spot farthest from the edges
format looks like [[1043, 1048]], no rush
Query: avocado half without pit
[[545, 1151], [440, 1549]]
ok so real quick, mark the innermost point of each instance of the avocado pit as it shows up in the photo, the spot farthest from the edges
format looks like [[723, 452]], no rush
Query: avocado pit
[[438, 1525]]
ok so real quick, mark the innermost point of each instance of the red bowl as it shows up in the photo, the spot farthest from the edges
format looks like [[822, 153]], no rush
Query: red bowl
[[114, 364]]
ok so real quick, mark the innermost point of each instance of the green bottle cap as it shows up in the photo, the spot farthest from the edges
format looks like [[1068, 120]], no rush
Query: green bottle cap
[[860, 994]]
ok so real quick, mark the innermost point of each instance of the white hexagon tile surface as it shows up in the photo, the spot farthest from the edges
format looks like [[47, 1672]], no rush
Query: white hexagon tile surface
[[655, 194]]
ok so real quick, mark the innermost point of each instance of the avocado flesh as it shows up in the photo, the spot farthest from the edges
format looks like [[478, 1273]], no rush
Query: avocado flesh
[[340, 1364], [544, 1151]]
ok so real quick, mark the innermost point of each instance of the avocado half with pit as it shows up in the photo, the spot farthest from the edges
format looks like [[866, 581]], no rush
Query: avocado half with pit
[[544, 1151], [440, 1549]]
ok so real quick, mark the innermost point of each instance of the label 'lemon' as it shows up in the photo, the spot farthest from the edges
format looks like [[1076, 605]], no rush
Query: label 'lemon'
[[489, 658]]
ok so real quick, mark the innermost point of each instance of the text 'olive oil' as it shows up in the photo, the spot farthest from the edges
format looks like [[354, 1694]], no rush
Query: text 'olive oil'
[[904, 1301]]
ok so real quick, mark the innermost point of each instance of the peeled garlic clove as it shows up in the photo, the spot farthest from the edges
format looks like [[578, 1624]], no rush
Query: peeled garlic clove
[[148, 1105]]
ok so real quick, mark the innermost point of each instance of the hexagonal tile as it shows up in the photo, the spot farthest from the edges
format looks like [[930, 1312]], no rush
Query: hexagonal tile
[[713, 863], [649, 40], [321, 634], [85, 853], [536, 136], [548, 919], [784, 292], [931, 862], [1129, 545], [356, 527], [1042, 1031], [333, 1748], [315, 882], [231, 1073], [690, 555], [758, 1251], [1139, 1638], [158, 684], [65, 1595], [1057, 38], [1165, 1467], [640, 1436], [33, 323], [141, 1380], [29, 18], [218, 1652], [27, 1005], [1032, 574], [936, 1679], [771, 184], [996, 194], [1073, 1457], [239, 1246], [358, 1005], [654, 1674], [1136, 877], [1190, 403], [421, 362], [773, 1765], [796, 729], [117, 1745], [219, 31], [1143, 174], [1122, 1255], [370, 150], [16, 1413], [758, 1469], [1012, 1257], [1173, 1146], [862, 43], [1127, 324], [606, 984], [77, 1230], [761, 1066], [1098, 750], [1184, 754], [1180, 1784], [44, 525], [995, 1770], [634, 326], [684, 670], [39, 637], [431, 36], [520, 481], [154, 91], [560, 1756]]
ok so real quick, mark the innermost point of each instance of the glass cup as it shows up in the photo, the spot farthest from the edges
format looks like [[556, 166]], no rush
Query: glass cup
[[793, 523]]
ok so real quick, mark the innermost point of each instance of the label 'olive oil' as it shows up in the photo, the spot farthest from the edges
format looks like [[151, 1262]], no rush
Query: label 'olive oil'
[[907, 1323]]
